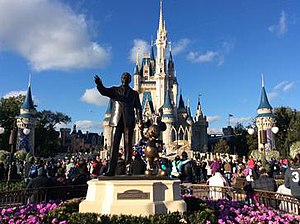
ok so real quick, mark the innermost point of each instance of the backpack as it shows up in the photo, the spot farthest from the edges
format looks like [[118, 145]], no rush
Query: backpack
[[33, 171]]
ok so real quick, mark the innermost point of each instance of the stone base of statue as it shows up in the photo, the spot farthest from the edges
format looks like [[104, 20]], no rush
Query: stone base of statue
[[136, 195]]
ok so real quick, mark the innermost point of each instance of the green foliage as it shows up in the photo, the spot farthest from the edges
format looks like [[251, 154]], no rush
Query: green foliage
[[46, 140], [69, 211], [12, 186], [221, 147], [9, 109], [288, 122], [295, 149], [4, 155]]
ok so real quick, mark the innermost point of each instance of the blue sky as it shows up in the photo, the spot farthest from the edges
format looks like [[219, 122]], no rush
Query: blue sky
[[220, 49]]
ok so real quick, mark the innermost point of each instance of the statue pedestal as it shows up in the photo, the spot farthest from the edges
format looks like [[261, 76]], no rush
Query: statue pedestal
[[133, 196]]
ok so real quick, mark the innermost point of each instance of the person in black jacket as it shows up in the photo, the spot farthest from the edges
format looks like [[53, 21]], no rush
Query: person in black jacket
[[264, 182], [41, 180], [187, 169], [292, 177], [38, 182], [138, 166]]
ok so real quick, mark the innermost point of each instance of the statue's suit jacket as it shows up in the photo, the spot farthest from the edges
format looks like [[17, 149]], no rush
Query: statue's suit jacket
[[124, 103]]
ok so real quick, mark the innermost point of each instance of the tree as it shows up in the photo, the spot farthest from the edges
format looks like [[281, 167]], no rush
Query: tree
[[221, 147], [286, 119], [46, 140], [240, 139], [9, 110]]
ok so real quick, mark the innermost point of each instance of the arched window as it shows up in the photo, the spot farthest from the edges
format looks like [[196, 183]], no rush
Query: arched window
[[181, 134], [174, 135]]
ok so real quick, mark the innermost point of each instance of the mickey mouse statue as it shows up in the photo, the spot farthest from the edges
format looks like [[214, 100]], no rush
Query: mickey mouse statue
[[153, 147]]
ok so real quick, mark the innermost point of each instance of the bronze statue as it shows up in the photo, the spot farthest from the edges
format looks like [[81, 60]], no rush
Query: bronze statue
[[153, 147], [126, 107]]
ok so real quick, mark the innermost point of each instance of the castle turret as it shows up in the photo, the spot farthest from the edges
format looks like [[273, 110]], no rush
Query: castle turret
[[265, 122], [200, 138], [106, 126], [26, 123], [168, 119]]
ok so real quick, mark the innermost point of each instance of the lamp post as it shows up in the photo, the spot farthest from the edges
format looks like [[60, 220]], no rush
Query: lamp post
[[12, 144], [262, 138]]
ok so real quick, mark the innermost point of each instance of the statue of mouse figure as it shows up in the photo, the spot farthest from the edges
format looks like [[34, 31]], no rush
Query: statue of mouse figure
[[153, 147]]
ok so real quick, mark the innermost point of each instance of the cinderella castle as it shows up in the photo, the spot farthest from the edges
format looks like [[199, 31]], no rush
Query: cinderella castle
[[155, 81]]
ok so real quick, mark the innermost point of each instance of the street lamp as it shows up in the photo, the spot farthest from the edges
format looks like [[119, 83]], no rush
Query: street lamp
[[12, 143], [263, 137]]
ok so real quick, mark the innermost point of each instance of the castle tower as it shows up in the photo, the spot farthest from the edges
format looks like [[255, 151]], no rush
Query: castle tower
[[106, 128], [168, 119], [265, 122], [26, 120], [200, 138], [160, 73]]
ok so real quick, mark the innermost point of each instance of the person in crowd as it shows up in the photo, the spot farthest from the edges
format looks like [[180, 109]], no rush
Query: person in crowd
[[215, 165], [264, 182], [176, 167], [216, 183], [187, 169], [95, 168], [138, 166], [60, 178], [251, 162], [292, 177], [121, 166], [228, 171], [41, 180]]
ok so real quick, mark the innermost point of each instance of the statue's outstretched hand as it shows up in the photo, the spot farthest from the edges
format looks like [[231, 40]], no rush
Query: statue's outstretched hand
[[98, 81]]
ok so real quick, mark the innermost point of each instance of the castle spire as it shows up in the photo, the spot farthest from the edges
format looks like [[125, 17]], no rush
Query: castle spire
[[199, 109], [28, 102], [264, 102], [161, 19]]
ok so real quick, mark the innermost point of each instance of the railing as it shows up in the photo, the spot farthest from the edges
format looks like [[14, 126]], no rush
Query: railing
[[21, 197], [283, 202]]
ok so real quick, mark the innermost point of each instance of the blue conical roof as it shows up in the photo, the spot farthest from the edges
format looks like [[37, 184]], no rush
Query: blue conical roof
[[181, 103], [152, 58], [136, 70], [167, 103], [28, 102], [264, 102]]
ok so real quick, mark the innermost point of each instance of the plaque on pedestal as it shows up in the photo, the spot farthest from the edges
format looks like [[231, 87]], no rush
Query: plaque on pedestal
[[133, 196]]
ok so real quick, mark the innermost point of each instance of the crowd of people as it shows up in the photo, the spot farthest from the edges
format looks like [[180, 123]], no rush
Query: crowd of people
[[219, 171]]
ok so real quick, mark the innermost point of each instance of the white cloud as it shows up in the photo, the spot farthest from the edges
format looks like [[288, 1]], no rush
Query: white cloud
[[280, 88], [49, 35], [196, 57], [92, 96], [241, 120], [141, 47], [281, 28], [86, 125], [15, 93], [288, 86], [272, 95], [214, 118], [214, 131], [280, 85], [180, 46], [217, 56]]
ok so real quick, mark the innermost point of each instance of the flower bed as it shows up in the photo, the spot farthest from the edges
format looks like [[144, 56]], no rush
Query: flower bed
[[199, 211]]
